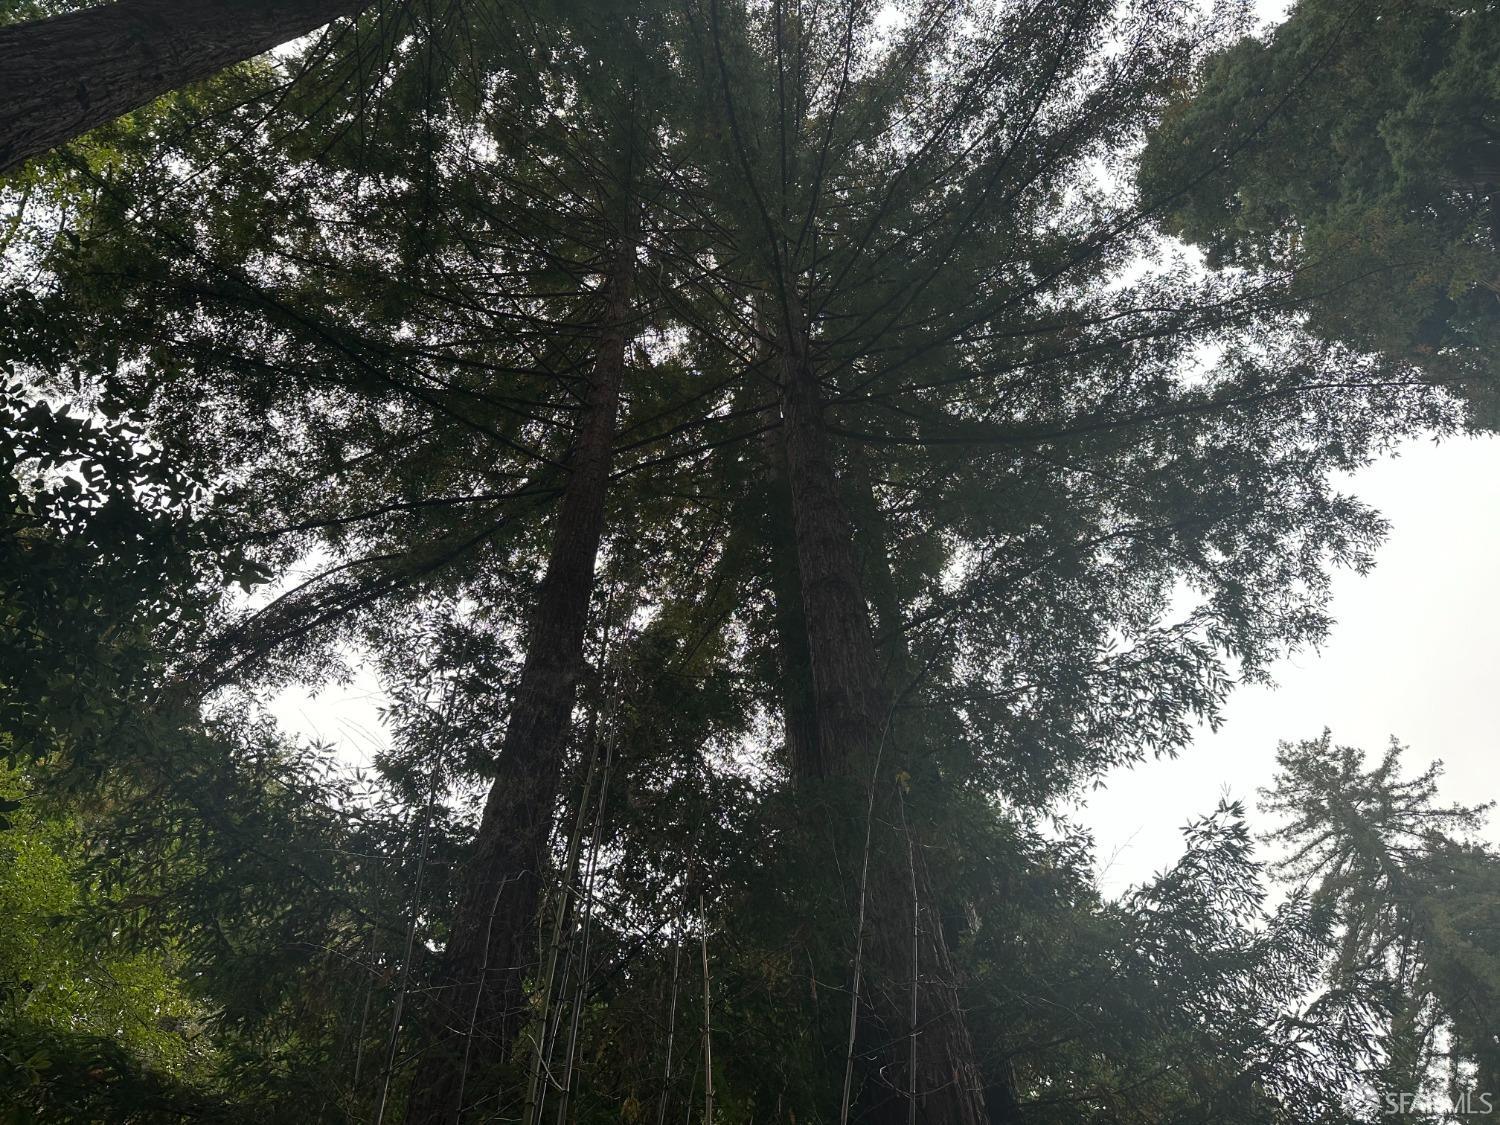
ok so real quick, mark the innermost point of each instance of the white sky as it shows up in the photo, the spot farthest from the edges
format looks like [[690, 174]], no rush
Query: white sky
[[1413, 654], [346, 716]]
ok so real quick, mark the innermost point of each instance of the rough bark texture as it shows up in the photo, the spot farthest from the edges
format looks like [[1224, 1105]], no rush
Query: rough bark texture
[[948, 1083], [62, 76], [852, 710], [492, 945], [852, 707]]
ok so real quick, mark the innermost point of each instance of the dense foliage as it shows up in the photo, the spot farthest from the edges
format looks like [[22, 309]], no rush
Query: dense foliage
[[771, 461], [1356, 152]]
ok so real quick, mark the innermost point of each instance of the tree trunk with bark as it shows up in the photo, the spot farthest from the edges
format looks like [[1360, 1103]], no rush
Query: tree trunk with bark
[[872, 543], [62, 76], [904, 674], [853, 711], [798, 707], [492, 945]]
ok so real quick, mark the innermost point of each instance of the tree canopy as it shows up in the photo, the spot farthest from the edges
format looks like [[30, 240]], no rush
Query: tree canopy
[[771, 461], [1356, 150]]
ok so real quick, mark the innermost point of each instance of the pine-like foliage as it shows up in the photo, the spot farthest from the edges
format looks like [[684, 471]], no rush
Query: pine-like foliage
[[770, 460]]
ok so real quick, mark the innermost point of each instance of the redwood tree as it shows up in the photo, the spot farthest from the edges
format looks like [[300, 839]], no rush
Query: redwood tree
[[63, 75]]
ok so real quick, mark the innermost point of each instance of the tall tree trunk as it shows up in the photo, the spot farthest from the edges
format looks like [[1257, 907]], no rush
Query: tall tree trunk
[[62, 76], [872, 544], [852, 706], [853, 712], [904, 673], [798, 707], [492, 944]]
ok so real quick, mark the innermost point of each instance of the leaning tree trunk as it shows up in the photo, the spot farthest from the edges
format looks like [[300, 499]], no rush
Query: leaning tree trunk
[[853, 710], [492, 944], [62, 76]]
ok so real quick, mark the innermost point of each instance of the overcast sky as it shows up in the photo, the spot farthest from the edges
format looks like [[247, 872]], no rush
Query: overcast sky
[[1413, 653]]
